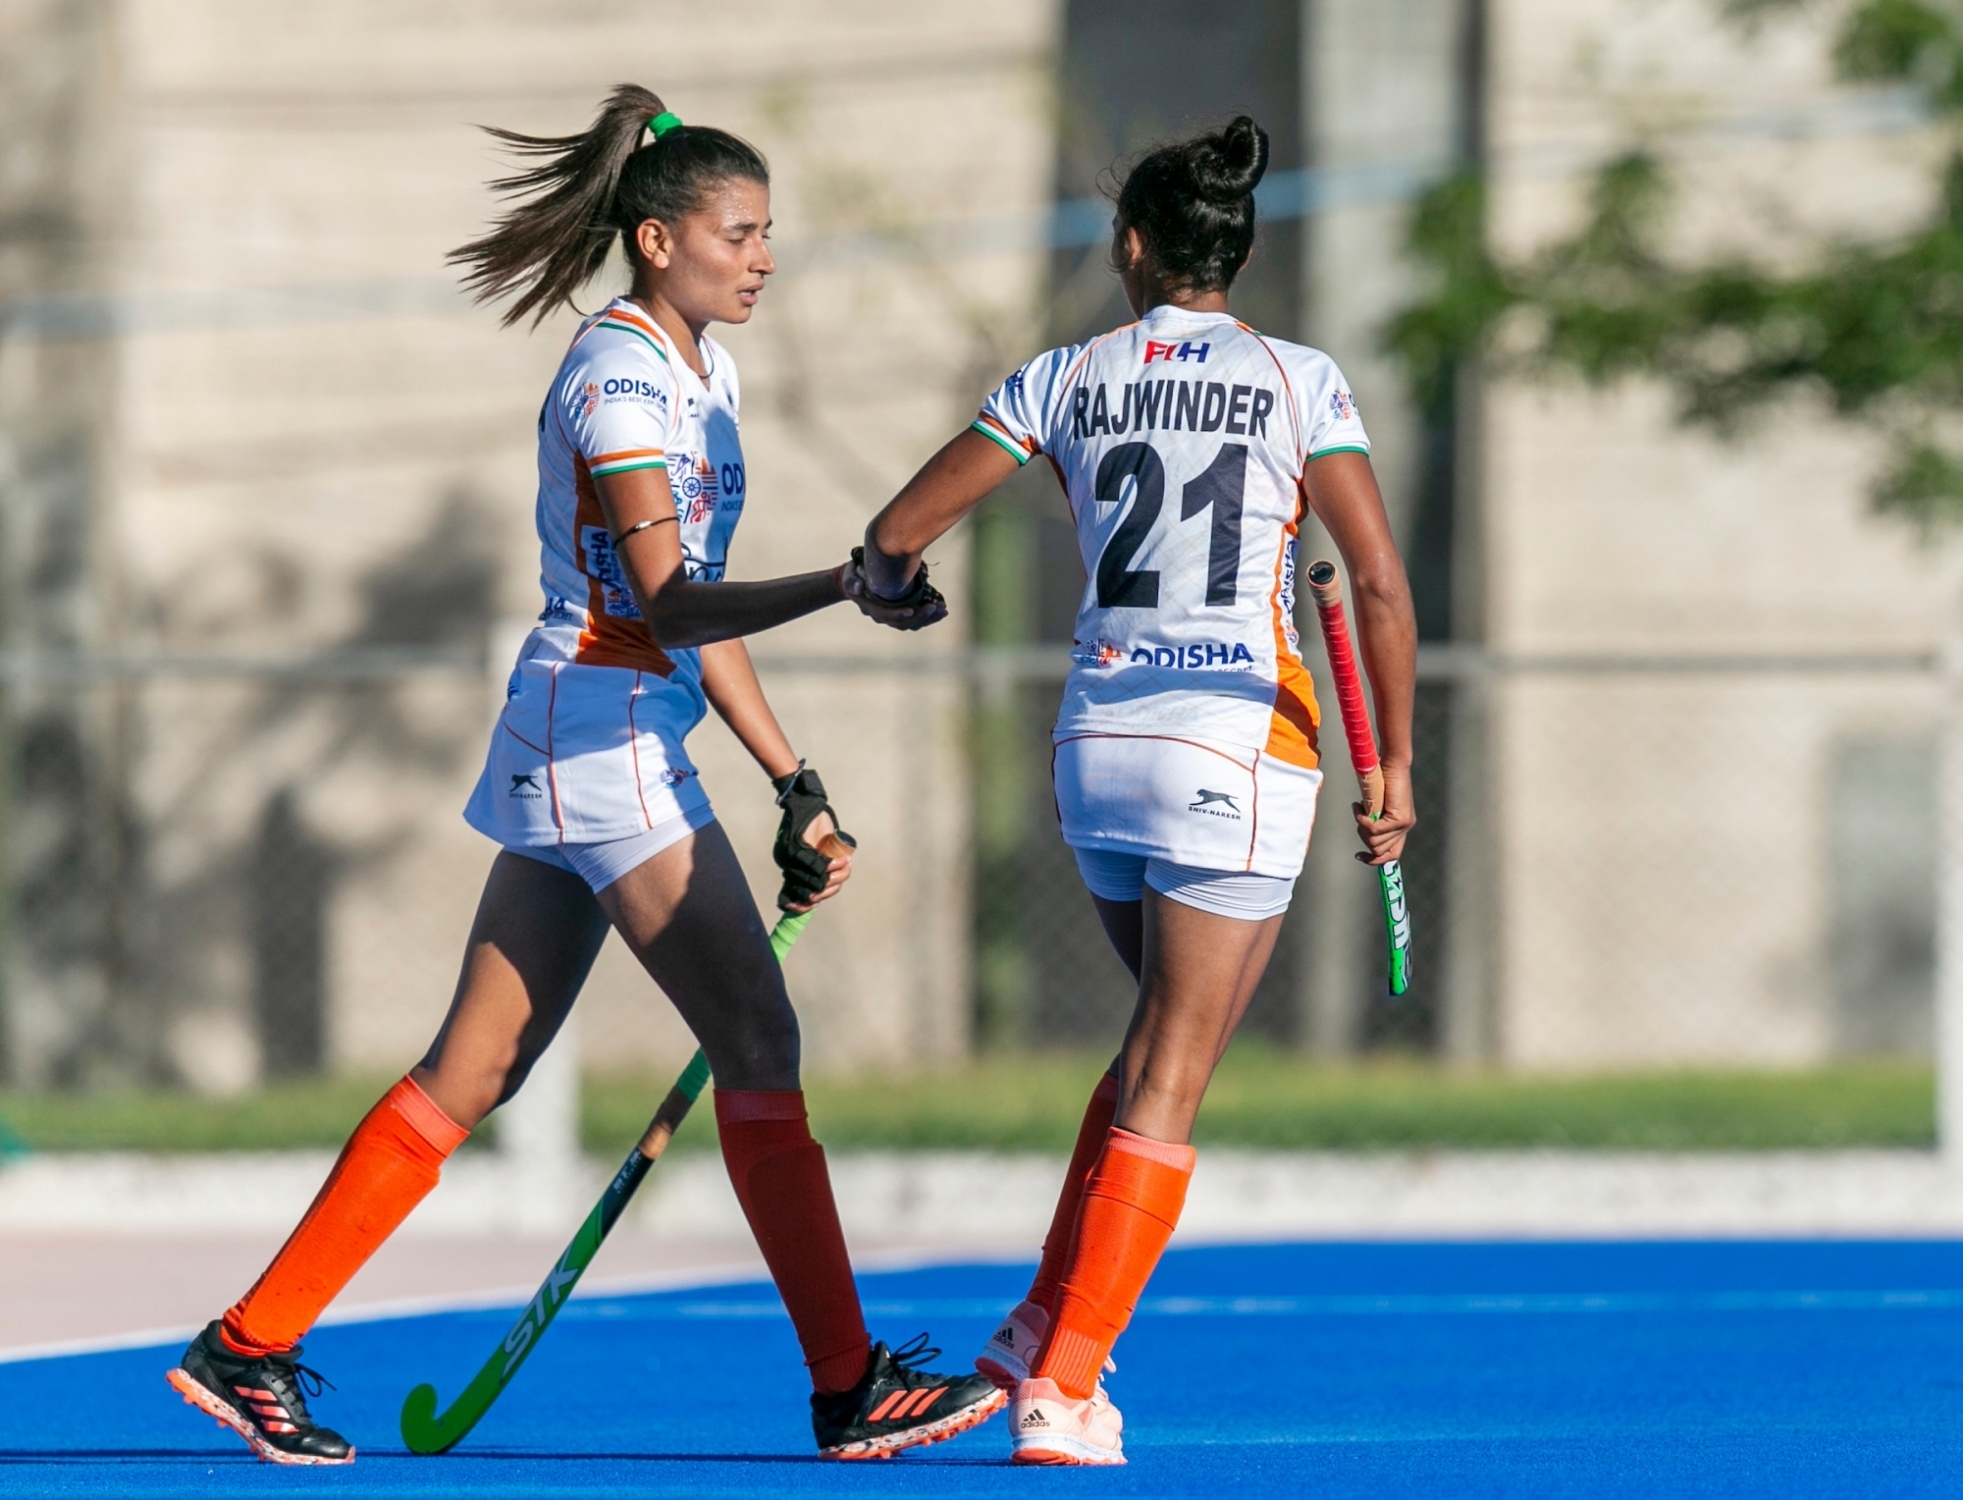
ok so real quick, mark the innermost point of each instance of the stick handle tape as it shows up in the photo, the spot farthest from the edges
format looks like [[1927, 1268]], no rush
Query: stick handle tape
[[1327, 590]]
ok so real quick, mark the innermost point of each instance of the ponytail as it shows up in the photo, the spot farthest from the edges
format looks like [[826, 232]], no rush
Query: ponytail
[[1193, 204], [607, 180]]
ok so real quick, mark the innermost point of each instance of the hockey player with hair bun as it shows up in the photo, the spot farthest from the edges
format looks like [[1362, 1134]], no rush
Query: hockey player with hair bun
[[1190, 447]]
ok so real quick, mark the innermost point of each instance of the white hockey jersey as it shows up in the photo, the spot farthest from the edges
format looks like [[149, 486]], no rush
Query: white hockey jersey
[[625, 399], [1181, 440]]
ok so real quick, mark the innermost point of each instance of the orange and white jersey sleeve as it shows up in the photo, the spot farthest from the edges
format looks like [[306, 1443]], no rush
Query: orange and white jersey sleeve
[[613, 409], [1022, 415], [616, 398], [1328, 415]]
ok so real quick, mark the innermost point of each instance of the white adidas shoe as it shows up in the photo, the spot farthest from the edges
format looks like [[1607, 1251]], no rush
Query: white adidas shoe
[[1048, 1427], [1010, 1351]]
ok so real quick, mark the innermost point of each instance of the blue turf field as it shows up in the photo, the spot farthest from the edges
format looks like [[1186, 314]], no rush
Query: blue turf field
[[1435, 1370]]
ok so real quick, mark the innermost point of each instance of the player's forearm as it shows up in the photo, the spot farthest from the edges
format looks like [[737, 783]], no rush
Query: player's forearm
[[949, 485], [1342, 490], [1387, 628], [729, 681], [682, 614]]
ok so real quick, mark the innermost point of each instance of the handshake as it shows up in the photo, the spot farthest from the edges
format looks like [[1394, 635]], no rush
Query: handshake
[[918, 607]]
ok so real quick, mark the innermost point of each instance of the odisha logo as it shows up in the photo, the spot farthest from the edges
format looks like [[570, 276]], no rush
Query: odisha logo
[[1187, 658], [1099, 653], [589, 400], [645, 390]]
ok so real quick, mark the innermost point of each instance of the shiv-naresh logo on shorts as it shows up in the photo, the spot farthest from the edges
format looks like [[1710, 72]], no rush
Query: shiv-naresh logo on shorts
[[1215, 804], [524, 785]]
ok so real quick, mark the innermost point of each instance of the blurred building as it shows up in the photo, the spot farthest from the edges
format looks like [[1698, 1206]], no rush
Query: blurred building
[[267, 485]]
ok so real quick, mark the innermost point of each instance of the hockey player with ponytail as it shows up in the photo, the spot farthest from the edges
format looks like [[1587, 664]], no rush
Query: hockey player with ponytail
[[602, 819], [1186, 779]]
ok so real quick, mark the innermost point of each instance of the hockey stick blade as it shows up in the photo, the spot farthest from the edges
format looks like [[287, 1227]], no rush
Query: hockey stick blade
[[1328, 592], [427, 1432]]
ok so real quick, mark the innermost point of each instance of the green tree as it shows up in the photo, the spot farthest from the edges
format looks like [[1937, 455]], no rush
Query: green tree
[[1874, 330]]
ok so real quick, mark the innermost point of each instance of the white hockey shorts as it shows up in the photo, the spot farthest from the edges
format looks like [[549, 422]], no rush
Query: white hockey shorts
[[600, 865], [588, 755], [1187, 803]]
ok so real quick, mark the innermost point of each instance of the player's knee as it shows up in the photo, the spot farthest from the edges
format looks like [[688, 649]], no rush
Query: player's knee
[[761, 1050]]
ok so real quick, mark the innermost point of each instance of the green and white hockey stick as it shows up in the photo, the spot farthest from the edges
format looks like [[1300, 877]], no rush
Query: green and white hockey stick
[[423, 1429], [1328, 592]]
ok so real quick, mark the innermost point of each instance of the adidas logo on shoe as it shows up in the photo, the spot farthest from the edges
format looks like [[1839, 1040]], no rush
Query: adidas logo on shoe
[[1035, 1418], [1005, 1336]]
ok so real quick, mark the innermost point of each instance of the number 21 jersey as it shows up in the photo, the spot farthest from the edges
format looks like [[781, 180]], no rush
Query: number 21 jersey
[[1181, 442]]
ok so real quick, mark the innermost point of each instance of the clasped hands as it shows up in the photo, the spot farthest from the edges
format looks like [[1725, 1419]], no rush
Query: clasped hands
[[920, 606]]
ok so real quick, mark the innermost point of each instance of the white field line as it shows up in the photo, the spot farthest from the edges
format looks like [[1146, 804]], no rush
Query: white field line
[[515, 1297], [484, 1298]]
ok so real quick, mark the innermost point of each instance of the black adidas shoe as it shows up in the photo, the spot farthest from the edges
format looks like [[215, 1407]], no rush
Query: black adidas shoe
[[897, 1405], [261, 1399]]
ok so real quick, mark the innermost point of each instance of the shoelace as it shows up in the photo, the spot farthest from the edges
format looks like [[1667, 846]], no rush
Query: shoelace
[[914, 1353], [293, 1384]]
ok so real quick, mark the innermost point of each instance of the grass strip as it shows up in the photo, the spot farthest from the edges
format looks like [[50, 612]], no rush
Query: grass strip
[[1260, 1098], [1267, 1099]]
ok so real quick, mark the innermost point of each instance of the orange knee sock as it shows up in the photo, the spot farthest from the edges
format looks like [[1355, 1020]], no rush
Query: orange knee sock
[[387, 1167], [1063, 1224], [1131, 1204], [780, 1179]]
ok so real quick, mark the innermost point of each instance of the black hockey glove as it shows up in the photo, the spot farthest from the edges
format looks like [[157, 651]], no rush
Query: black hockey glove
[[927, 604], [806, 870]]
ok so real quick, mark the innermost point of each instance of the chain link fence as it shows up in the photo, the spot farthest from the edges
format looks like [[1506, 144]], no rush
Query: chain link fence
[[216, 867], [1620, 862], [187, 841]]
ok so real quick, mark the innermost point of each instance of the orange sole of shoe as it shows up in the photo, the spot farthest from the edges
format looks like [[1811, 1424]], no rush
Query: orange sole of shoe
[[196, 1395], [920, 1437], [1050, 1457]]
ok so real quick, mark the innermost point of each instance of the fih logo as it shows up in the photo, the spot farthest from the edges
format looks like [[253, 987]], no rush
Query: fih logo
[[1210, 803], [1181, 352], [1343, 404]]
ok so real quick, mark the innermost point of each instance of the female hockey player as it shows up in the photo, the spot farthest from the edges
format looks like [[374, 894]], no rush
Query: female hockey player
[[601, 815], [1185, 749]]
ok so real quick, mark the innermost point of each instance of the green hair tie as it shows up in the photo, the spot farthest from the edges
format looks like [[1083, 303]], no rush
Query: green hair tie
[[664, 122]]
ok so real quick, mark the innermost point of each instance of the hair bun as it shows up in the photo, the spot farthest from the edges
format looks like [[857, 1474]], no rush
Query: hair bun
[[1228, 165]]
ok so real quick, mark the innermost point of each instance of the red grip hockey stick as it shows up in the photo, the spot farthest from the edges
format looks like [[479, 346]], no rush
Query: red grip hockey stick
[[1328, 592]]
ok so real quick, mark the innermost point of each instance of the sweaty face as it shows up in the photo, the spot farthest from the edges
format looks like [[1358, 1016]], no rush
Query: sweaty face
[[721, 254]]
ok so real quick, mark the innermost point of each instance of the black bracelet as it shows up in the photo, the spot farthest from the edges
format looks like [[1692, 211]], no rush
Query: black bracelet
[[916, 592]]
